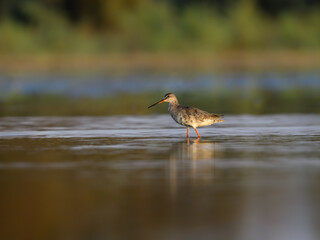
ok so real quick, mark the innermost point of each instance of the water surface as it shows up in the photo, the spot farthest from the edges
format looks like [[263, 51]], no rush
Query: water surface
[[95, 85], [136, 177]]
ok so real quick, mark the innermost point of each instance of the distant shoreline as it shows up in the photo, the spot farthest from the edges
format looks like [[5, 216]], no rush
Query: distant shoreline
[[161, 62]]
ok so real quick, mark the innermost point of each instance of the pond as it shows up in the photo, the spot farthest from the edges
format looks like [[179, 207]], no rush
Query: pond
[[137, 177], [130, 94]]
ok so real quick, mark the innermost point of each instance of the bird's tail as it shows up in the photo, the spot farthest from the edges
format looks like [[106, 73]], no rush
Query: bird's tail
[[217, 118]]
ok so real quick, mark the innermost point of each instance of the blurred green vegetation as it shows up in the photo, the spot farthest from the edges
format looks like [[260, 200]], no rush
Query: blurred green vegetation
[[66, 26], [250, 101]]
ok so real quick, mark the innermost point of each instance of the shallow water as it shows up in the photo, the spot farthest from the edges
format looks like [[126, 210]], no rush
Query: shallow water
[[136, 177]]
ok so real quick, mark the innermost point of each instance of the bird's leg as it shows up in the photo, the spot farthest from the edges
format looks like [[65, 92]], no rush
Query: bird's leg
[[187, 132], [197, 132]]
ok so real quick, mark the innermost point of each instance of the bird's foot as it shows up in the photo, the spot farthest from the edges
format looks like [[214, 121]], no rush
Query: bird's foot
[[197, 140]]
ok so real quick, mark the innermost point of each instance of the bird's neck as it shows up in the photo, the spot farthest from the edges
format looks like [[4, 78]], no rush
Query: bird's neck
[[172, 105]]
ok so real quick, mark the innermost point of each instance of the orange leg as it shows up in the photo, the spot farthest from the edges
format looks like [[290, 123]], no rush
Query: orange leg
[[187, 132], [197, 132]]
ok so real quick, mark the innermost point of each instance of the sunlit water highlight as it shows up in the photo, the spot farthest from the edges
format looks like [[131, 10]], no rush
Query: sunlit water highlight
[[136, 177]]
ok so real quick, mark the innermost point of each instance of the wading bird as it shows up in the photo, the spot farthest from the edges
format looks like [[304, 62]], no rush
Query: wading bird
[[188, 116]]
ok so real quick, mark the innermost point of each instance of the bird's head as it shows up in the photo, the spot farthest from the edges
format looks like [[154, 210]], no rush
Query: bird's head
[[168, 97]]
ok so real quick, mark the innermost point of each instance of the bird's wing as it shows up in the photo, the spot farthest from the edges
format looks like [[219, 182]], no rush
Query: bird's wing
[[214, 115], [196, 112]]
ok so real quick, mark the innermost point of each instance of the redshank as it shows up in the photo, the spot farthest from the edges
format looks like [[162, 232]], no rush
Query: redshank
[[188, 116]]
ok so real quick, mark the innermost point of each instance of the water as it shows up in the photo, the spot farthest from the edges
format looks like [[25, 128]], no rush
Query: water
[[108, 85], [136, 177]]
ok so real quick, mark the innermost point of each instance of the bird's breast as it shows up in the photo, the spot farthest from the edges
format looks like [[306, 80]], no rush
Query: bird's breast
[[182, 118]]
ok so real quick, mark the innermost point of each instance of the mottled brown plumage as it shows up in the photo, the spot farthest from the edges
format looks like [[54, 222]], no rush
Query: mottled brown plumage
[[189, 116]]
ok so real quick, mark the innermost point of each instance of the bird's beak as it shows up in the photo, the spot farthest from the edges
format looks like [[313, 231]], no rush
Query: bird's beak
[[161, 101]]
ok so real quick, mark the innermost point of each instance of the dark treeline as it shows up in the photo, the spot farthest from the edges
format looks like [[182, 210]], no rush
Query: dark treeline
[[104, 13], [269, 7], [100, 26]]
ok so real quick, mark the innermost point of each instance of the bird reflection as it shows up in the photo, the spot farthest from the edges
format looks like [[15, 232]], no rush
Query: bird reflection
[[192, 161]]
